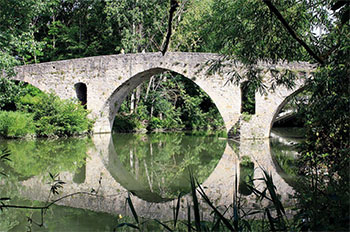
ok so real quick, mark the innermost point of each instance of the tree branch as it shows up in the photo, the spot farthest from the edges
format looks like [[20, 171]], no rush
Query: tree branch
[[275, 11], [48, 205], [173, 5]]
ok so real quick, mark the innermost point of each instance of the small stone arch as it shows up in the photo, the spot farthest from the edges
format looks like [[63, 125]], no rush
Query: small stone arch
[[81, 91], [268, 106], [25, 81]]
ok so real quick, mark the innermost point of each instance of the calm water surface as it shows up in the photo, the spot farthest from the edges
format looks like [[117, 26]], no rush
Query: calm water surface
[[154, 168]]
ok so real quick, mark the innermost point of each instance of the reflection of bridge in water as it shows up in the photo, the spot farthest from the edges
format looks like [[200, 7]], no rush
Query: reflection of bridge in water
[[111, 197]]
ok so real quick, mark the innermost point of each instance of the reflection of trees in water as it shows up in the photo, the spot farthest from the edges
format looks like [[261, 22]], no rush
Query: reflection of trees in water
[[40, 156], [161, 161], [284, 157], [246, 175]]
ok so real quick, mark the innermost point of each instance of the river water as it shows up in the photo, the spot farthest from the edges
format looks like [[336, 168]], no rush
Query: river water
[[152, 168]]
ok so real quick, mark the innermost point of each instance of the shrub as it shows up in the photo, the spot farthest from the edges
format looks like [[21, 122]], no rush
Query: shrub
[[154, 123], [54, 116], [126, 123], [10, 94], [16, 124]]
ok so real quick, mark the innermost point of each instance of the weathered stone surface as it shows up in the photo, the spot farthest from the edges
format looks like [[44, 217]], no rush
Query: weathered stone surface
[[110, 78]]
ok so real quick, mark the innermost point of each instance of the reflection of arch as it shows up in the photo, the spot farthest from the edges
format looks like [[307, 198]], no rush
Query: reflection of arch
[[246, 172], [118, 96], [145, 190], [260, 153], [286, 142], [128, 181], [219, 186]]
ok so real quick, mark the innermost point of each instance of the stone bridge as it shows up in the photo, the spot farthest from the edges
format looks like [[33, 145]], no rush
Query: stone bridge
[[103, 82]]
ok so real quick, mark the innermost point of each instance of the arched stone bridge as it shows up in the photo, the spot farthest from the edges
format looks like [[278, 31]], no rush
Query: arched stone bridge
[[109, 79]]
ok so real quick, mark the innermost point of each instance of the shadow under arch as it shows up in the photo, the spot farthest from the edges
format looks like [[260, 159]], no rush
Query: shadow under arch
[[284, 102], [115, 100], [26, 82], [81, 92]]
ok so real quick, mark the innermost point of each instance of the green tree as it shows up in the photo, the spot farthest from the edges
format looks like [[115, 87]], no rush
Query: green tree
[[142, 23], [19, 21], [10, 93]]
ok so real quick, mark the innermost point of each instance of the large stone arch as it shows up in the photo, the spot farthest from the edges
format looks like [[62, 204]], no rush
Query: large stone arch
[[140, 67], [114, 102]]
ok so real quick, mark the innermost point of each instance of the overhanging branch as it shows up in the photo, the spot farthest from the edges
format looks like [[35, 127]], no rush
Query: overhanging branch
[[275, 11], [173, 5]]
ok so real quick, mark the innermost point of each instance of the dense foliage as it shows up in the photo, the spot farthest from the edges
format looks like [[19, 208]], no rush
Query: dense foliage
[[16, 124], [36, 31], [314, 31], [168, 102], [325, 155], [38, 113]]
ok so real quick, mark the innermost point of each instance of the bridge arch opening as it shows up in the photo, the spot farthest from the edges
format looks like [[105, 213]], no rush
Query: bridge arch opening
[[157, 95], [81, 92], [248, 98], [288, 114], [287, 130]]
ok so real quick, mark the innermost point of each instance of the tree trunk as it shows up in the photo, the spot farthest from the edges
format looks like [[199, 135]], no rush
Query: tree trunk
[[132, 102], [137, 96], [148, 87]]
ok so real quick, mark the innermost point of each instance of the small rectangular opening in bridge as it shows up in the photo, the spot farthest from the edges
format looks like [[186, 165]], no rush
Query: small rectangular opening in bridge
[[81, 91], [248, 98]]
